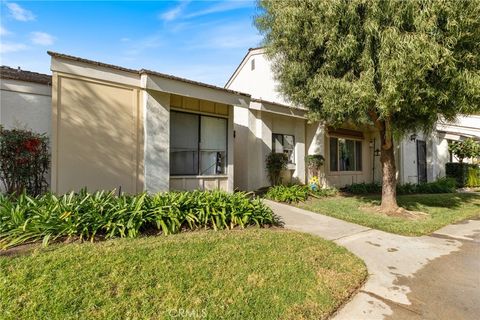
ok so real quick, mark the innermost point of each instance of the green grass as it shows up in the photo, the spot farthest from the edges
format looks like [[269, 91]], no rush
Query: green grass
[[237, 274], [442, 209]]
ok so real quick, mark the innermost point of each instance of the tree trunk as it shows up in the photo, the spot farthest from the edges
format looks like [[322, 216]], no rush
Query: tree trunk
[[389, 180]]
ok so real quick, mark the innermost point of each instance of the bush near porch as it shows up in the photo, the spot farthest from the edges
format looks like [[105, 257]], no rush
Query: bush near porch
[[105, 215], [239, 274], [465, 174], [297, 193], [442, 185]]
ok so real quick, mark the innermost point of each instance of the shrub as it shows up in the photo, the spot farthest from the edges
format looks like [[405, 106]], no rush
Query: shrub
[[276, 163], [296, 193], [442, 185], [24, 161], [106, 215], [473, 176], [314, 162], [288, 194], [459, 172], [363, 188]]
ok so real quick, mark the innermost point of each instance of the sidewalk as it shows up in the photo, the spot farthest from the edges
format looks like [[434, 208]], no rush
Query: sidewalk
[[391, 259]]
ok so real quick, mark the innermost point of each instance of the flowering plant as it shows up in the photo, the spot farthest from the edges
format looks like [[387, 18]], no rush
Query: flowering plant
[[24, 161], [314, 183]]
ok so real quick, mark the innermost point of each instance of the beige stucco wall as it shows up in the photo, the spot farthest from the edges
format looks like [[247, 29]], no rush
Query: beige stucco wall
[[97, 135]]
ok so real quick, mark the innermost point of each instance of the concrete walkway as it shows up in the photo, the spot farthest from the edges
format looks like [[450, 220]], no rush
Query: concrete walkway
[[404, 272]]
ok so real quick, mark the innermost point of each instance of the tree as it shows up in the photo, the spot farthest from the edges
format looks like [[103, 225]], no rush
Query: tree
[[397, 65], [467, 148]]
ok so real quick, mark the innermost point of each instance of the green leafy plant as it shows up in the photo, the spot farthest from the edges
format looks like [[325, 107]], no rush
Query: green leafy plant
[[442, 185], [465, 149], [297, 193], [314, 163], [473, 177], [276, 163], [460, 172], [104, 215], [288, 194], [24, 161]]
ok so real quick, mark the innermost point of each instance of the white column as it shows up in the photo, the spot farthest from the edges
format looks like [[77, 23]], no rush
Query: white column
[[157, 141]]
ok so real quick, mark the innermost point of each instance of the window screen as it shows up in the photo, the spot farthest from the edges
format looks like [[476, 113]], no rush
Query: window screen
[[213, 145], [198, 144], [284, 143]]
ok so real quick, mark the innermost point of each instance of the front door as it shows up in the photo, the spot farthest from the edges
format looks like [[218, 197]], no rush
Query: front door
[[421, 161]]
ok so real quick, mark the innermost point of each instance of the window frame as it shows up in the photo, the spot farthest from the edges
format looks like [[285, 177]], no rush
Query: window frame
[[355, 140], [198, 150], [283, 145]]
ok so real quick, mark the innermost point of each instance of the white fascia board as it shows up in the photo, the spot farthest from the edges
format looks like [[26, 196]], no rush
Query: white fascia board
[[276, 109], [192, 90]]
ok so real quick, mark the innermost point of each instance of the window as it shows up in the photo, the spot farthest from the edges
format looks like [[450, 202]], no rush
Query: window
[[252, 64], [198, 144], [284, 143], [345, 155]]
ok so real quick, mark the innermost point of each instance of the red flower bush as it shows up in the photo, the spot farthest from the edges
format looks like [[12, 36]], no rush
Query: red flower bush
[[24, 161]]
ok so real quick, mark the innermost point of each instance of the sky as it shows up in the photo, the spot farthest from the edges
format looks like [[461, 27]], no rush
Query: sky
[[199, 40]]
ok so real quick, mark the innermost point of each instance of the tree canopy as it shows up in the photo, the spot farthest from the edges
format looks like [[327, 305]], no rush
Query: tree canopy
[[397, 65], [402, 63]]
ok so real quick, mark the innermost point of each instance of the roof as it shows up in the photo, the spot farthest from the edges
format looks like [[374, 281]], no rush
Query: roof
[[249, 52], [23, 75], [142, 71]]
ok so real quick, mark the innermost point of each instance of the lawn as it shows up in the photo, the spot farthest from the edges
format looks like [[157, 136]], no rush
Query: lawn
[[442, 209], [237, 274]]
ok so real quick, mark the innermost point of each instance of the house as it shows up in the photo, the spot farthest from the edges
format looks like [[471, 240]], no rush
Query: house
[[270, 122], [138, 130], [352, 154], [25, 100]]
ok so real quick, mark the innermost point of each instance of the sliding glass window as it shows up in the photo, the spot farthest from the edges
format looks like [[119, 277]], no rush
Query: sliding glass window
[[198, 144], [345, 155]]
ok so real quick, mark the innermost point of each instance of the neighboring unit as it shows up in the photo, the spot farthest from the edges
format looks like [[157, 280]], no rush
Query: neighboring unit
[[25, 100], [352, 154], [138, 130]]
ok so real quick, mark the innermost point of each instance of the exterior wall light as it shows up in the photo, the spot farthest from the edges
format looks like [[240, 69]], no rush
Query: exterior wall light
[[413, 137], [377, 152]]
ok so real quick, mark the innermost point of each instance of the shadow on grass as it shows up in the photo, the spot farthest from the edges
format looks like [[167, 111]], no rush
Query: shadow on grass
[[419, 201]]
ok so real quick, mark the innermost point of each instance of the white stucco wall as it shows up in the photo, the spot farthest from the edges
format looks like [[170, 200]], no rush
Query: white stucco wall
[[157, 141], [25, 105], [253, 143], [437, 148], [258, 82]]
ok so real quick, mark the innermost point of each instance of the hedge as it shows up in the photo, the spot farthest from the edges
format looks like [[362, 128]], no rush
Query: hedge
[[465, 174]]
